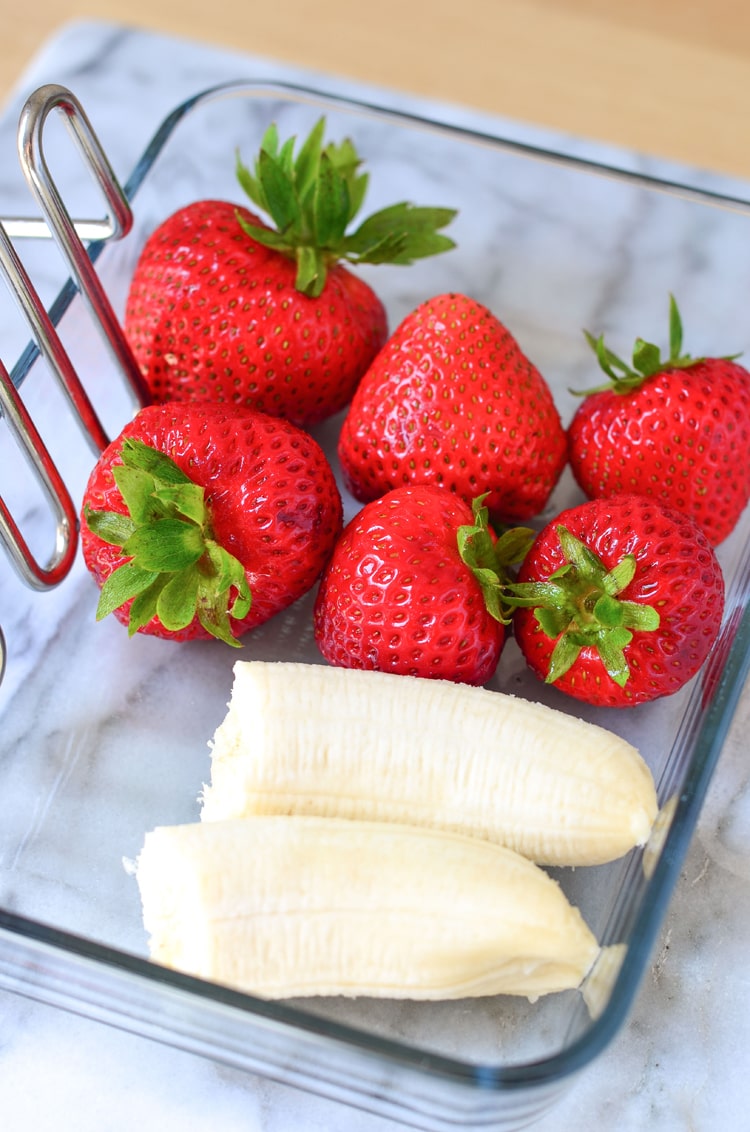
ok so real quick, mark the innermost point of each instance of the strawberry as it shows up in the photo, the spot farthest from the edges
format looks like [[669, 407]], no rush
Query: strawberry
[[204, 520], [619, 601], [224, 307], [414, 586], [452, 400], [677, 429]]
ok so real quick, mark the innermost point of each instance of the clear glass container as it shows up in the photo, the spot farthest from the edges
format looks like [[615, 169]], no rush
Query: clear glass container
[[103, 737]]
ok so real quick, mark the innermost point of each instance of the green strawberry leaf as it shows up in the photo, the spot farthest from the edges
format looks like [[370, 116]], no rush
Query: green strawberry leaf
[[577, 554], [608, 611], [175, 570], [279, 193], [564, 655], [553, 621], [186, 500], [250, 184], [109, 526], [308, 161], [387, 247], [214, 618], [621, 377], [344, 156], [270, 140], [357, 192], [137, 488], [330, 211], [402, 231], [311, 272], [178, 599], [543, 597], [121, 585], [640, 618], [489, 558], [228, 572], [620, 576], [266, 236], [137, 454], [166, 545], [144, 604], [646, 358], [286, 158], [675, 329], [513, 545], [612, 651]]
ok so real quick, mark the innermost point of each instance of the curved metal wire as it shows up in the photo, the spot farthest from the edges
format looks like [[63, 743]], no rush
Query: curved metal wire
[[69, 235], [34, 165], [37, 575], [49, 343]]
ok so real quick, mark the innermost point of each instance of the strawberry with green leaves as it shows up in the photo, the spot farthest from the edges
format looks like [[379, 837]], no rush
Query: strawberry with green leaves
[[415, 586], [203, 520], [225, 307], [619, 601], [675, 428], [452, 400]]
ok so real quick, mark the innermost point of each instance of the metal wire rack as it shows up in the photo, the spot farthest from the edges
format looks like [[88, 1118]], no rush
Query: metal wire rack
[[71, 236]]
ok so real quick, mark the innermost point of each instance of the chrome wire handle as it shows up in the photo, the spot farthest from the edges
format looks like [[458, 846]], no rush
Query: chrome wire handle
[[49, 343], [31, 155], [34, 228], [69, 235], [24, 431]]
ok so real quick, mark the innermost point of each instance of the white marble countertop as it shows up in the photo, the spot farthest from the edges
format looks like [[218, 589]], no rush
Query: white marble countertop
[[678, 1063]]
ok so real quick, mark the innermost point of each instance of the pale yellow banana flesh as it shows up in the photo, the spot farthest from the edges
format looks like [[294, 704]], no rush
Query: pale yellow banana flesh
[[310, 739], [287, 907]]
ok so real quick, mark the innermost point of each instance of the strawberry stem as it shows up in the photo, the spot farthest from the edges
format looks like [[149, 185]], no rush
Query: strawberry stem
[[313, 198], [579, 607], [175, 570], [646, 361], [490, 559]]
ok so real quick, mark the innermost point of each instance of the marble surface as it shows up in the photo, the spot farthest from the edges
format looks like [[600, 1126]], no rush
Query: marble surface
[[678, 1063]]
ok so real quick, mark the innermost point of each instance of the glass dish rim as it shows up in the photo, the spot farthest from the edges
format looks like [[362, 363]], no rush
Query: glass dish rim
[[725, 682]]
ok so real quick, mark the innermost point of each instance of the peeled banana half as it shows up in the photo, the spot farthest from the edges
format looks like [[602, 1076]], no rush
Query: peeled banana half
[[368, 834], [313, 740], [291, 906]]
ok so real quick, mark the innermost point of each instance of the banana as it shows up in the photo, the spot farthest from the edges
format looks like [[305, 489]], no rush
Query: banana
[[309, 739], [293, 906]]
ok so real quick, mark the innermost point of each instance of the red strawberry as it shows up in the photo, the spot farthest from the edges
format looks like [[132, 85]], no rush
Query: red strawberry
[[620, 601], [676, 429], [222, 307], [205, 520], [414, 587], [452, 400]]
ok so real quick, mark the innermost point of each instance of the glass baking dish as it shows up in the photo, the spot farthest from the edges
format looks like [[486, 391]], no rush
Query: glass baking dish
[[103, 737]]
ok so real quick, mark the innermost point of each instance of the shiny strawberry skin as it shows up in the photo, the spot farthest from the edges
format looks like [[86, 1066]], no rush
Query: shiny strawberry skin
[[682, 437], [452, 400], [272, 495], [396, 596], [677, 573], [213, 315]]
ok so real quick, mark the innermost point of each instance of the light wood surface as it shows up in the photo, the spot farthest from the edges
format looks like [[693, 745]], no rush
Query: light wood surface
[[666, 77]]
